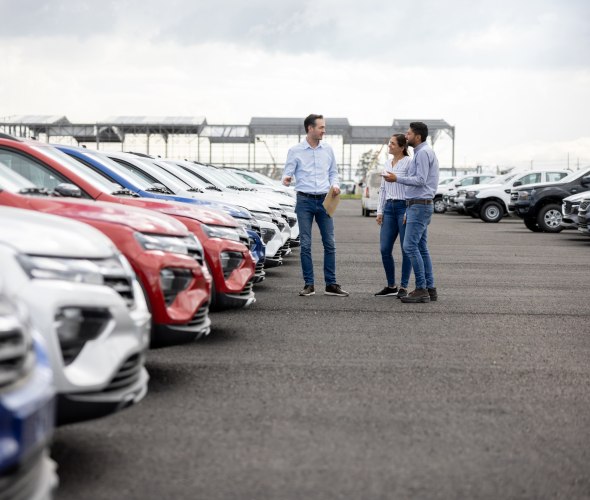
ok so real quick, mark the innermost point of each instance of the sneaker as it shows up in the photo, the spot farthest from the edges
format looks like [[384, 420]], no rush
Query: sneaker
[[307, 291], [388, 291], [402, 292], [418, 295], [335, 290], [433, 294]]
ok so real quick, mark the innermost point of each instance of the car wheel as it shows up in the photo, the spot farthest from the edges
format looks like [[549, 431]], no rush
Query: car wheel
[[492, 211], [532, 225], [439, 206], [363, 211], [549, 218]]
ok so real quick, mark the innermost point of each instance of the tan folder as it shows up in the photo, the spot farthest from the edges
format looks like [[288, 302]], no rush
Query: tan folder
[[331, 202]]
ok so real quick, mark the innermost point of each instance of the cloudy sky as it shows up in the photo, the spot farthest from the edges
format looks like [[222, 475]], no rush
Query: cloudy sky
[[513, 77]]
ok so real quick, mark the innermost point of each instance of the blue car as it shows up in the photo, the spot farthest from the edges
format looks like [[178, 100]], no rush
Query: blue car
[[27, 409], [101, 163]]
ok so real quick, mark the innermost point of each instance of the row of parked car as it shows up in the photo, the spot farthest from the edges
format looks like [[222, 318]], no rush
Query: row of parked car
[[101, 256], [547, 200]]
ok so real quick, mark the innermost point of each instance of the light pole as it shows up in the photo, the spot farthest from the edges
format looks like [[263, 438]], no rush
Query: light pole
[[274, 162]]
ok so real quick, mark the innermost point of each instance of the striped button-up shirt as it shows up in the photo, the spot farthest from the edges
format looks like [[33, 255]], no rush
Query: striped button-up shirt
[[315, 170], [393, 190]]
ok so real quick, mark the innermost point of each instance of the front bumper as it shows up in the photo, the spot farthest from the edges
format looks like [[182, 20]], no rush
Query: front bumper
[[34, 479], [522, 209], [472, 205]]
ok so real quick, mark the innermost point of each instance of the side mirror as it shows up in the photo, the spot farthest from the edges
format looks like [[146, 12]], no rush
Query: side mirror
[[517, 183], [68, 190], [585, 180]]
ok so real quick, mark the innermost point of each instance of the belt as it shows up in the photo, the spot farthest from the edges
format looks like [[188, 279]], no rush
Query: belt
[[419, 202], [392, 199], [314, 196]]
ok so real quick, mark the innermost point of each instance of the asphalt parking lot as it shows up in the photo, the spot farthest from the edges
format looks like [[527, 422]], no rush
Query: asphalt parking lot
[[483, 394]]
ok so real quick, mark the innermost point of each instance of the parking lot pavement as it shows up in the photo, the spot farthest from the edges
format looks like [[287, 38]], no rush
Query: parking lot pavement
[[483, 394]]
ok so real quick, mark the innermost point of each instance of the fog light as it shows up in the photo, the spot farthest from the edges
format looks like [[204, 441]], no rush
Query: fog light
[[75, 326], [230, 261], [174, 281]]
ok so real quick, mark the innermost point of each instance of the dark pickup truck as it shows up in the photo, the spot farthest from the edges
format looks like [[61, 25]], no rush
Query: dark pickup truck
[[539, 205]]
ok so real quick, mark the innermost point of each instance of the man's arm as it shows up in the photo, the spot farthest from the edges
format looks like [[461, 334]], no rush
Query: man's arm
[[333, 175], [289, 169], [417, 178]]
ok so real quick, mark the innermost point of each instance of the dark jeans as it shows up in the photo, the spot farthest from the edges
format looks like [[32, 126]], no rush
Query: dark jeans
[[416, 243], [391, 227], [306, 209]]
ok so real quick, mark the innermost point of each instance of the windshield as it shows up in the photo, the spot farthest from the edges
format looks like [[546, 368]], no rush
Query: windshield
[[225, 178], [131, 177], [575, 175], [174, 169], [145, 167], [446, 181], [91, 177]]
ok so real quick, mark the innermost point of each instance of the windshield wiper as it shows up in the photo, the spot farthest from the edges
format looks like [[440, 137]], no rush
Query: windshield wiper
[[195, 190], [34, 190], [125, 192], [159, 190], [213, 188]]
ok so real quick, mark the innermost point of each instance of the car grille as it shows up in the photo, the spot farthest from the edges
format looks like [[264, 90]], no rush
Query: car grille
[[247, 290], [128, 374], [246, 241], [295, 242], [200, 317], [196, 254], [259, 267], [566, 207], [514, 196], [122, 285], [16, 351], [285, 248]]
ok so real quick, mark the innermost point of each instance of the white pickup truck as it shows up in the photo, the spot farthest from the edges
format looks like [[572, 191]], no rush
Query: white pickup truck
[[490, 201]]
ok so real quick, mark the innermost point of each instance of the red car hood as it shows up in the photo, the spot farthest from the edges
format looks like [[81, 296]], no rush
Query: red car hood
[[204, 215], [144, 221]]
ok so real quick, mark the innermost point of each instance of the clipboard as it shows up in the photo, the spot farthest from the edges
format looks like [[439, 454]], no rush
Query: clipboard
[[331, 202]]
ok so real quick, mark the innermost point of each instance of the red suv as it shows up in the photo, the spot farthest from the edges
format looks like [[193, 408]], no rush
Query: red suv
[[225, 243], [162, 252]]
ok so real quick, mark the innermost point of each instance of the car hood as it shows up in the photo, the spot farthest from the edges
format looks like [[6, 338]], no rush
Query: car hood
[[36, 233], [177, 209], [138, 219]]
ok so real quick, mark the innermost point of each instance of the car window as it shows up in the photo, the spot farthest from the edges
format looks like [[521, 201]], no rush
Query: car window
[[531, 178], [39, 174], [555, 176], [467, 182]]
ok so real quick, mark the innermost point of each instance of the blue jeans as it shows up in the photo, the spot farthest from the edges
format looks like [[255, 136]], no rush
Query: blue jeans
[[416, 243], [392, 225], [306, 209]]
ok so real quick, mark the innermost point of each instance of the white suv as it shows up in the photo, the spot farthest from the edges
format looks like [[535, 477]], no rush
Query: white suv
[[490, 201], [85, 301]]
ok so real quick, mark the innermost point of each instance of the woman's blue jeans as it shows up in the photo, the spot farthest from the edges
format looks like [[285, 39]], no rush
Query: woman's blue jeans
[[392, 226], [307, 209], [416, 243]]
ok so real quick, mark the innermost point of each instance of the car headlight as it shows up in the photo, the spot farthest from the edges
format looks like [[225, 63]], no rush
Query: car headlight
[[170, 244], [267, 234], [224, 232], [523, 195], [471, 194], [230, 261], [76, 270], [245, 223]]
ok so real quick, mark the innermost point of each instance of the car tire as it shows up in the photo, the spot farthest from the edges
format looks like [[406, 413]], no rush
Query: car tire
[[549, 218], [492, 211], [363, 211], [439, 206], [532, 225]]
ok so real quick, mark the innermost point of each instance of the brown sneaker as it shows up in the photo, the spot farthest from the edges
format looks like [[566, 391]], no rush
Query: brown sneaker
[[307, 291], [335, 290], [433, 294], [418, 295]]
